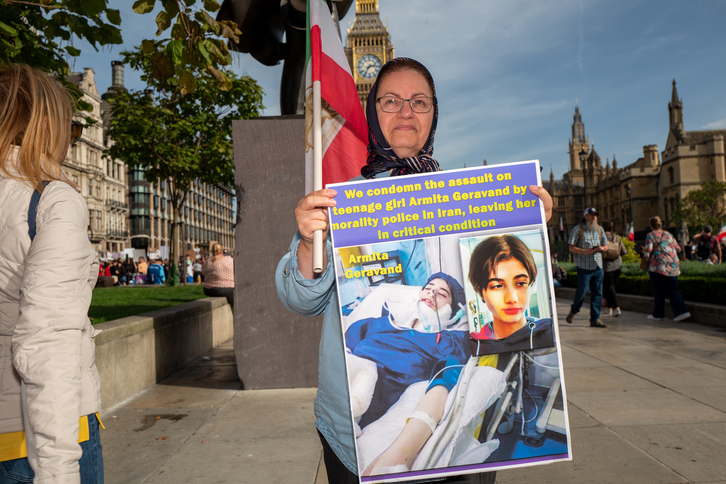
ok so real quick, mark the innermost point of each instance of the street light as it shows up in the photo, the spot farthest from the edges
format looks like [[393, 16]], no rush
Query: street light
[[629, 190], [583, 159]]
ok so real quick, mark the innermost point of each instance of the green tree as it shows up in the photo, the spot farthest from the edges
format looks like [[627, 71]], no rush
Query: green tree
[[702, 207], [196, 48], [40, 33], [179, 138], [180, 128]]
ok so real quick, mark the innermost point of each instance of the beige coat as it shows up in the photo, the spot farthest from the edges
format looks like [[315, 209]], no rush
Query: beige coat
[[46, 338]]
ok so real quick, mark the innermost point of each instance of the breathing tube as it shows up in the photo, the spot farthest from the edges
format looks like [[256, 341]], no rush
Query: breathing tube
[[446, 323]]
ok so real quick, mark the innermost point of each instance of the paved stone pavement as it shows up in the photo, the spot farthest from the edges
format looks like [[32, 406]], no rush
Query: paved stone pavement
[[647, 404]]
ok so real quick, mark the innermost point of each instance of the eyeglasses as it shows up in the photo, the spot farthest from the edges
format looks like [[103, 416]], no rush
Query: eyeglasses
[[76, 131], [393, 104]]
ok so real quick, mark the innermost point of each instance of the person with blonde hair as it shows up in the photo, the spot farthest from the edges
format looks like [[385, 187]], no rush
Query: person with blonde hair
[[661, 252], [50, 396], [218, 274]]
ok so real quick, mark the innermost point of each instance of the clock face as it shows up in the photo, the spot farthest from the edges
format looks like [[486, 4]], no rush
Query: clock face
[[368, 66]]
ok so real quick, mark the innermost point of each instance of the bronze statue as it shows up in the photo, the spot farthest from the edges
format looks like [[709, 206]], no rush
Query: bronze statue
[[263, 23]]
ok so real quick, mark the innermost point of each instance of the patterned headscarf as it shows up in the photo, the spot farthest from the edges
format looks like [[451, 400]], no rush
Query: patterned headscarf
[[381, 156]]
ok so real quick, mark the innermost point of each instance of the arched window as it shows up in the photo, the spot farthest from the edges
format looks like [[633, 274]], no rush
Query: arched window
[[665, 207]]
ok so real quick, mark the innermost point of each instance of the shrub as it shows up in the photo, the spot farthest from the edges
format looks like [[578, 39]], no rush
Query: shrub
[[697, 285]]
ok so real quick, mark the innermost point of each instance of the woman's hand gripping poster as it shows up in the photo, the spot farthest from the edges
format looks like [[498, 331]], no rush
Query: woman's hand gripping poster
[[450, 330]]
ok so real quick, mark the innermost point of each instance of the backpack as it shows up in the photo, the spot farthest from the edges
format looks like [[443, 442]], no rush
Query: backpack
[[613, 250], [703, 250], [32, 209]]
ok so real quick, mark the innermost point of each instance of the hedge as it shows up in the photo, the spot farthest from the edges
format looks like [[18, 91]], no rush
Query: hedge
[[697, 288]]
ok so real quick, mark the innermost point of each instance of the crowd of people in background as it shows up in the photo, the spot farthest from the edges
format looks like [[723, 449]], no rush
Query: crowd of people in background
[[597, 252], [705, 247], [128, 272]]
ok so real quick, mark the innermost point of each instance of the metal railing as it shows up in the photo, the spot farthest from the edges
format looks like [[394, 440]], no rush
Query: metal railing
[[117, 233], [117, 204]]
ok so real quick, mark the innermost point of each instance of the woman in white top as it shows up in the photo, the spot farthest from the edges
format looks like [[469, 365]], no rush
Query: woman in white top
[[50, 393]]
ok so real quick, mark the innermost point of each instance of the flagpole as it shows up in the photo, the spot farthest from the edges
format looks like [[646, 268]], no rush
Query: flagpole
[[317, 172]]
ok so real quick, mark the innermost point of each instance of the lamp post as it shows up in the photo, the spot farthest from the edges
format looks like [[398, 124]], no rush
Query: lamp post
[[583, 159], [629, 190]]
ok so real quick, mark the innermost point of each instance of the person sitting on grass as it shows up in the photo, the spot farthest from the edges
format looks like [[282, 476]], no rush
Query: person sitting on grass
[[155, 273]]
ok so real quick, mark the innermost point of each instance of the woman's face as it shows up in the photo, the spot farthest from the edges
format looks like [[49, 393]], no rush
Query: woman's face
[[507, 294], [436, 294], [405, 130]]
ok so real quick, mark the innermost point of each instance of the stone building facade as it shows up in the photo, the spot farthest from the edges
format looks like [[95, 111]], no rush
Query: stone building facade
[[126, 211], [651, 185], [207, 215], [102, 182]]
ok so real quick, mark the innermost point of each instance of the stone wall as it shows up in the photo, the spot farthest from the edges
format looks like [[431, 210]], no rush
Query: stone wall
[[136, 352], [710, 314]]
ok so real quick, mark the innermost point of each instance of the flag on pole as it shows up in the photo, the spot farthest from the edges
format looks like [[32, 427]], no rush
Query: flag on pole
[[344, 127], [631, 233], [722, 233]]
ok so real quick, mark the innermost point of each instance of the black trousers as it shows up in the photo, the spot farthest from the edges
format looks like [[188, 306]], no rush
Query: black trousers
[[339, 474], [227, 292], [608, 288]]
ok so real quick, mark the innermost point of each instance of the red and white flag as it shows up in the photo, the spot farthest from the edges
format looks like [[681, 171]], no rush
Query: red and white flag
[[722, 233], [344, 127], [631, 233]]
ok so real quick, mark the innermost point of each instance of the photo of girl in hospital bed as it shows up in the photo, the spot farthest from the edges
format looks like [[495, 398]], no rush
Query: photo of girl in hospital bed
[[418, 397]]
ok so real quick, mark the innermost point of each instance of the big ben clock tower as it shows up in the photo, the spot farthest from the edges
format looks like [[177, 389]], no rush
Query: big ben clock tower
[[369, 46]]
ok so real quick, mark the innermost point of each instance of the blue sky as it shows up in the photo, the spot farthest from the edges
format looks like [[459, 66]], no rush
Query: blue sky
[[508, 73]]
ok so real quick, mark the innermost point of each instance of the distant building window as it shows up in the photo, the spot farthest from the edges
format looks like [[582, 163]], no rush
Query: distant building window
[[671, 175]]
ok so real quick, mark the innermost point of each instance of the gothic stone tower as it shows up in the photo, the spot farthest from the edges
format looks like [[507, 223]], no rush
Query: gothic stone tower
[[368, 47], [579, 142]]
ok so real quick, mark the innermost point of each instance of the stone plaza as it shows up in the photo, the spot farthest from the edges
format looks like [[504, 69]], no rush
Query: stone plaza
[[646, 401]]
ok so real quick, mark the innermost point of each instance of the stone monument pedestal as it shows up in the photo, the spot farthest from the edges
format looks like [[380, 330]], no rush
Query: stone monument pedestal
[[273, 347]]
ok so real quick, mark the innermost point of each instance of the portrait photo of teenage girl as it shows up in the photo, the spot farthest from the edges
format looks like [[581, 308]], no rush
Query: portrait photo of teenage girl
[[503, 276]]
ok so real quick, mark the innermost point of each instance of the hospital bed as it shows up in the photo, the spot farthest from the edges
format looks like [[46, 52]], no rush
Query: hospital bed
[[490, 415]]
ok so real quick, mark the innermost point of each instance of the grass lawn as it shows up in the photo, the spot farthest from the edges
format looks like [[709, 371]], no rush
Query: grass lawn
[[116, 302]]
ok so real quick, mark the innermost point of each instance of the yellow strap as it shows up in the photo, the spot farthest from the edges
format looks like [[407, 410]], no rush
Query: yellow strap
[[13, 445]]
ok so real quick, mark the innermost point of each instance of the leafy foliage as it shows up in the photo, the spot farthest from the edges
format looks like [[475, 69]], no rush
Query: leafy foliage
[[179, 135], [698, 281], [702, 207], [40, 33], [196, 49], [631, 255]]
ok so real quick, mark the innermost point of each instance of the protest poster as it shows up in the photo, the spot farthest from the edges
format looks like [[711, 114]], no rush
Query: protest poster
[[447, 305]]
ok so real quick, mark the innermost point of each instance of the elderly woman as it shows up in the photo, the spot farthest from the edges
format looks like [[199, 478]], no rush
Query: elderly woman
[[50, 392], [402, 114]]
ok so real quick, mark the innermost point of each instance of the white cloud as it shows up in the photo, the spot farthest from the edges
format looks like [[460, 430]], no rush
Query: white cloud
[[715, 125]]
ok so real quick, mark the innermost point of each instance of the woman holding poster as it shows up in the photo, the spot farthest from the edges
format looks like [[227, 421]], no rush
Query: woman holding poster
[[402, 113]]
